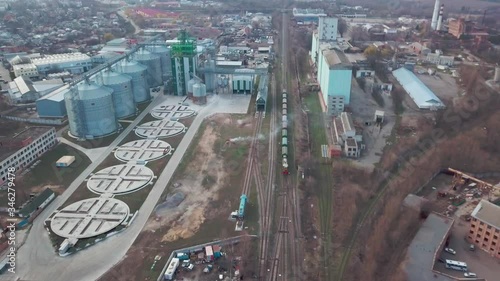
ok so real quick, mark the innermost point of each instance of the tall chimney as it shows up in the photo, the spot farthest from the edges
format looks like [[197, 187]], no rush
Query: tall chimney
[[435, 14], [440, 18]]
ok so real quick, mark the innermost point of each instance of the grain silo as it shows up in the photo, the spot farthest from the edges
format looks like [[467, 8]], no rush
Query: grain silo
[[190, 87], [137, 71], [90, 110], [166, 64], [153, 63], [123, 97], [199, 93]]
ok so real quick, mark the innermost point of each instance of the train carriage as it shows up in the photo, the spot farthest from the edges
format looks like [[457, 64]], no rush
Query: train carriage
[[284, 151]]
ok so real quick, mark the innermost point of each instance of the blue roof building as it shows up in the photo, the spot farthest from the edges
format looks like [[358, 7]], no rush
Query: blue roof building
[[423, 97]]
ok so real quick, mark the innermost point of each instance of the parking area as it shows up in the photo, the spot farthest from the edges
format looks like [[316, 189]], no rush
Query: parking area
[[442, 84], [478, 261], [363, 108]]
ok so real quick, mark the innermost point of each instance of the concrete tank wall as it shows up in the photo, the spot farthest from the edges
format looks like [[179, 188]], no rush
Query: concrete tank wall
[[123, 96], [138, 73]]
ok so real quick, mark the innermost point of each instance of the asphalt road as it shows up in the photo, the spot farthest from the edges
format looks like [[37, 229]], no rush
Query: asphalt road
[[37, 259]]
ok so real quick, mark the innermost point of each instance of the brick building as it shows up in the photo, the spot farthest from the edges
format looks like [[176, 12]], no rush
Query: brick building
[[459, 27], [484, 229]]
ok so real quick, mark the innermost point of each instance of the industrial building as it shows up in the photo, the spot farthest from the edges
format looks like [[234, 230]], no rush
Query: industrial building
[[484, 229], [23, 90], [423, 97], [459, 27], [261, 100], [334, 71], [184, 62], [75, 63], [334, 77], [308, 15], [21, 149], [243, 81], [52, 105], [345, 135], [439, 59], [25, 69], [425, 248], [326, 32], [91, 113]]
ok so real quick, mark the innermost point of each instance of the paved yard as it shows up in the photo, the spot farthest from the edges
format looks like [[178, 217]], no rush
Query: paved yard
[[477, 261]]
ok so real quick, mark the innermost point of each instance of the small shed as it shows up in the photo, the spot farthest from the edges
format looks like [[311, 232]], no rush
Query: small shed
[[209, 253], [65, 161], [37, 203], [217, 251]]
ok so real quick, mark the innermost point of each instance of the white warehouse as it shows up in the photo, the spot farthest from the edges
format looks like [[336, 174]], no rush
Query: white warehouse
[[423, 97], [75, 63]]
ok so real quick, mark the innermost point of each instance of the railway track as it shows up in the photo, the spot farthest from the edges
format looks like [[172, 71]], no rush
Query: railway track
[[251, 152], [265, 192], [286, 258]]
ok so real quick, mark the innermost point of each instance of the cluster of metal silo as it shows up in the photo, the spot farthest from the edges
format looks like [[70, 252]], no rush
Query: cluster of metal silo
[[138, 73], [153, 63], [165, 58], [90, 109], [199, 93], [123, 97]]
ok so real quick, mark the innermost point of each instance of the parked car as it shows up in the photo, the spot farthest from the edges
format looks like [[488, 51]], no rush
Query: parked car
[[470, 275], [450, 250], [472, 247]]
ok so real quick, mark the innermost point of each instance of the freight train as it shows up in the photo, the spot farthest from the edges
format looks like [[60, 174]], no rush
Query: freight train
[[284, 133]]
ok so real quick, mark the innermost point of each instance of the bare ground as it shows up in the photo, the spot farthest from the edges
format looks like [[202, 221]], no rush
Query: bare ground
[[211, 185]]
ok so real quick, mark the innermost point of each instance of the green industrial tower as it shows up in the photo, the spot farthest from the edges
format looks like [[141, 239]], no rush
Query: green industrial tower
[[184, 61]]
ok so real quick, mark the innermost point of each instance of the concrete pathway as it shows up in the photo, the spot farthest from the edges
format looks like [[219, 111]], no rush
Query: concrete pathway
[[37, 259], [93, 154]]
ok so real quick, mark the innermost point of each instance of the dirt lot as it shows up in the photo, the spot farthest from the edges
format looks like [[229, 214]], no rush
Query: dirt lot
[[443, 85], [209, 179]]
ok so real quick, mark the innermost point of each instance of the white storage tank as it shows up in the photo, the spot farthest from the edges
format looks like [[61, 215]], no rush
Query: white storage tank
[[91, 113], [199, 93], [123, 97], [166, 64], [137, 72], [153, 63], [190, 87]]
